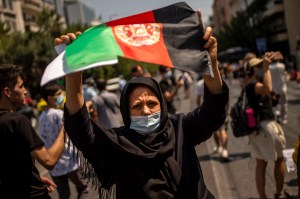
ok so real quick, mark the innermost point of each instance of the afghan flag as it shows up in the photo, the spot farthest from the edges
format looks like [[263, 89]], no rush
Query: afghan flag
[[170, 36]]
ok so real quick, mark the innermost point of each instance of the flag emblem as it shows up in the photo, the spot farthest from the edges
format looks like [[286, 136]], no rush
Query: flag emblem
[[138, 34], [171, 36]]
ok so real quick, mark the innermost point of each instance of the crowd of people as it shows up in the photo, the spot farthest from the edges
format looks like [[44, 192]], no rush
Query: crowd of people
[[150, 151]]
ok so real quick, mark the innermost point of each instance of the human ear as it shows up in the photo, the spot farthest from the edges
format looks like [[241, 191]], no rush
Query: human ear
[[7, 91]]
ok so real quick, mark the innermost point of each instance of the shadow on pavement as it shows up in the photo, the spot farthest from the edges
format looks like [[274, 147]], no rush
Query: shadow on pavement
[[292, 183], [232, 157], [294, 101]]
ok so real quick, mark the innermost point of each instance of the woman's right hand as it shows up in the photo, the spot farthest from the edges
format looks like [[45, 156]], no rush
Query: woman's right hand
[[74, 93], [68, 38]]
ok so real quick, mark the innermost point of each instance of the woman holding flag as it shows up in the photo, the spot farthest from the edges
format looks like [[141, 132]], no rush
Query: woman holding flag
[[153, 155]]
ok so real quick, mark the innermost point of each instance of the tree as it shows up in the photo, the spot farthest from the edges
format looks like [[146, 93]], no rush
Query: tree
[[4, 37], [244, 28]]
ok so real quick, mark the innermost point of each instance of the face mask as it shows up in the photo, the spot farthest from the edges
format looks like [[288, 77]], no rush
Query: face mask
[[145, 124], [60, 100], [169, 74]]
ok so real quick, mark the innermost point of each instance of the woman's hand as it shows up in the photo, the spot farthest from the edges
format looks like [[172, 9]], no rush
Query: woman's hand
[[74, 93], [68, 38], [211, 43], [213, 83], [50, 184]]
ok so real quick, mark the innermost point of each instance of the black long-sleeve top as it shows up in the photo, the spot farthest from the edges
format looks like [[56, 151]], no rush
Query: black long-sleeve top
[[162, 165]]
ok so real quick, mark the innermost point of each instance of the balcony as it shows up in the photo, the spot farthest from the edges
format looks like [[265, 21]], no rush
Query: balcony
[[32, 6], [7, 12], [48, 5], [31, 26]]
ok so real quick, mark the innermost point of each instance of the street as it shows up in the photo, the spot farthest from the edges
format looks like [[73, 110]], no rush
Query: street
[[236, 178]]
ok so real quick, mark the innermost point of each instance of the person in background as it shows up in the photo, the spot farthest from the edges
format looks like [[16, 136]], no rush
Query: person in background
[[89, 90], [137, 71], [245, 78], [20, 145], [153, 155], [268, 142], [188, 80], [106, 105], [122, 83], [279, 88], [166, 85], [220, 136], [221, 139], [50, 123], [199, 90]]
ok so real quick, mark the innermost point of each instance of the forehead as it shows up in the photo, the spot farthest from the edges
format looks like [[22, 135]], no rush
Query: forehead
[[58, 92], [137, 91], [19, 80]]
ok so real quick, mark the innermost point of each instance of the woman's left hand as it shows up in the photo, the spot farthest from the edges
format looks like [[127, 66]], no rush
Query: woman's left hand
[[213, 83], [211, 43]]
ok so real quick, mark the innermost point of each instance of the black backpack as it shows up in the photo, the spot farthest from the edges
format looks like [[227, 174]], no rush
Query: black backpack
[[243, 121]]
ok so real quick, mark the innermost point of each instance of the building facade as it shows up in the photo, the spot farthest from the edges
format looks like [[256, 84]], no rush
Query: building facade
[[19, 15], [284, 31], [75, 11]]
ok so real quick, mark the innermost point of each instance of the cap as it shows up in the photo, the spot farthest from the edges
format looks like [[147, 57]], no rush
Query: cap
[[255, 62], [249, 56]]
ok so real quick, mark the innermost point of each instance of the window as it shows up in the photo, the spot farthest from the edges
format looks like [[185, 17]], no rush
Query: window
[[4, 5], [13, 25], [10, 3]]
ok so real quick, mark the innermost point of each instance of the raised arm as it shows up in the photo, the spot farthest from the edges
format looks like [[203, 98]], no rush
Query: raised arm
[[265, 87], [74, 93], [214, 84], [203, 121]]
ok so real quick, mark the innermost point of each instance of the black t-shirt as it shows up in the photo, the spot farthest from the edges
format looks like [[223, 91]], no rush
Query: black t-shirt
[[262, 104], [19, 178], [167, 86]]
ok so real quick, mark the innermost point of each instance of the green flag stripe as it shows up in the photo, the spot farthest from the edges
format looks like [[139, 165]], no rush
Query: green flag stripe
[[91, 53]]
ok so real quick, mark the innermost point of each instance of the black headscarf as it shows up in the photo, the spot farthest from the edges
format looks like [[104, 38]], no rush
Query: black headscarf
[[156, 148], [127, 90]]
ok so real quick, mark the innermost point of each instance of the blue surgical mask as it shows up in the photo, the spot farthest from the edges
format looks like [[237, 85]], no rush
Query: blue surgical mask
[[145, 124], [169, 74], [60, 100]]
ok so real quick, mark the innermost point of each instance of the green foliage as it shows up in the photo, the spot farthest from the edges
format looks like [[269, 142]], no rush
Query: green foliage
[[35, 50], [4, 30], [74, 28], [122, 68], [32, 50], [244, 28]]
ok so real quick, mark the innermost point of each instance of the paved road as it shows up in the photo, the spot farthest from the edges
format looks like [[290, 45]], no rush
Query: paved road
[[235, 179]]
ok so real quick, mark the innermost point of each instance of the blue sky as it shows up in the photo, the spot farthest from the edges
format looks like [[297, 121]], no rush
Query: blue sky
[[113, 9]]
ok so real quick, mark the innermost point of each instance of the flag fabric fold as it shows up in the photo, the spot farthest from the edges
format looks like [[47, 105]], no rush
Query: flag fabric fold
[[170, 36]]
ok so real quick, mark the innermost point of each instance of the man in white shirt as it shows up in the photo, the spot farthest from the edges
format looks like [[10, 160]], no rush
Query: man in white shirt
[[50, 123], [277, 69]]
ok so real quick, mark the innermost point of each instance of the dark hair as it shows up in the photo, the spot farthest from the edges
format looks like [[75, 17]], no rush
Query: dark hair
[[9, 74], [249, 70], [49, 90], [136, 68], [162, 69], [101, 84]]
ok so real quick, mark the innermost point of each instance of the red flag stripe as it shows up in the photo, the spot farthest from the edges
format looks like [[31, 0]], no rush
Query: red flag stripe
[[146, 17]]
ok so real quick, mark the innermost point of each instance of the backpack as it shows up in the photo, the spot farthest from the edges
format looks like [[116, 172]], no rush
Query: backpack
[[243, 121]]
